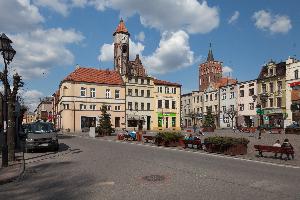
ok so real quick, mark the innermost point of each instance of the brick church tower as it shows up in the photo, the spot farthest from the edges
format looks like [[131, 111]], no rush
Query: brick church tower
[[209, 71]]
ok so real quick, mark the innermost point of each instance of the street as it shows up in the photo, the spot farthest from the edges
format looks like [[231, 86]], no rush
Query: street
[[96, 169]]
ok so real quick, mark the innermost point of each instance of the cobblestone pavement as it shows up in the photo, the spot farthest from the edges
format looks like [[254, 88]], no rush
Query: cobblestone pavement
[[266, 139]]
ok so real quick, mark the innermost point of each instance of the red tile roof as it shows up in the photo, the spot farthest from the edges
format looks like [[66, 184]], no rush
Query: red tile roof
[[225, 81], [91, 75], [121, 28], [161, 82]]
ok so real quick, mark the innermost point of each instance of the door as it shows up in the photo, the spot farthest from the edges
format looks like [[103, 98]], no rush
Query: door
[[167, 122], [148, 122], [117, 122]]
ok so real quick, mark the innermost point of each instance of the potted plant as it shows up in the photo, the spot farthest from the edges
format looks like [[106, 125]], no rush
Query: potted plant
[[168, 138]]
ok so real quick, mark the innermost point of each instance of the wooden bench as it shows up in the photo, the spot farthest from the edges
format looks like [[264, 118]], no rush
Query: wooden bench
[[281, 150], [193, 144], [276, 130], [149, 138], [247, 129]]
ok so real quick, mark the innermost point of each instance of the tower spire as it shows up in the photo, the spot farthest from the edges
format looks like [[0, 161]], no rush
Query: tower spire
[[121, 28], [210, 56]]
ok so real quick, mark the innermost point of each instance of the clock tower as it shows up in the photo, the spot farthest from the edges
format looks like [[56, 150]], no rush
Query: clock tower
[[121, 48]]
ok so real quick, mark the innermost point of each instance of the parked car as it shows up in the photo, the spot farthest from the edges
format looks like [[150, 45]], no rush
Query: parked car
[[40, 135]]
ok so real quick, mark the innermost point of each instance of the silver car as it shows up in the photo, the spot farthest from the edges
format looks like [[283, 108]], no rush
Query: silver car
[[40, 135]]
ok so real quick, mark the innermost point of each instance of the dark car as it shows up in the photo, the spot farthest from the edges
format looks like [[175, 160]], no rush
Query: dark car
[[40, 135]]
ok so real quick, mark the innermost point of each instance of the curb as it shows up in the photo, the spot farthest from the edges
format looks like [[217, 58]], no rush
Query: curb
[[16, 176]]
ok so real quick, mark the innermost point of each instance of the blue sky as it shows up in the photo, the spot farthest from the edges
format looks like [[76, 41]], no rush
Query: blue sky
[[171, 36]]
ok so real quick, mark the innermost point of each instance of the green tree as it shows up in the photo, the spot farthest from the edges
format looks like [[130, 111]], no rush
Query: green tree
[[209, 119], [105, 126]]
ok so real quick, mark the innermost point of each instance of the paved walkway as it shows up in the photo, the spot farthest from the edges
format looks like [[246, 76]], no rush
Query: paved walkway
[[13, 170], [267, 139]]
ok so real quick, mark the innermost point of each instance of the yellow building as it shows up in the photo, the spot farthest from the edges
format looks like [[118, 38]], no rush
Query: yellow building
[[166, 114], [271, 81], [82, 95]]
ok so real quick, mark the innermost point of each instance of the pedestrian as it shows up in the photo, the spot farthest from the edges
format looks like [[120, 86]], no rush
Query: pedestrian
[[233, 128], [200, 132], [287, 144], [276, 144]]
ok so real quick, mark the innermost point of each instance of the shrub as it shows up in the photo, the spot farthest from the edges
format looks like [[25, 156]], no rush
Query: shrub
[[168, 136], [225, 141]]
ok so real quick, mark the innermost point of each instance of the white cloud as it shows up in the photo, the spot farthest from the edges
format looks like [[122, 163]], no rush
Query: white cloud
[[172, 54], [19, 15], [189, 15], [31, 98], [107, 51], [40, 50], [264, 20], [227, 70], [234, 17], [59, 6], [140, 36]]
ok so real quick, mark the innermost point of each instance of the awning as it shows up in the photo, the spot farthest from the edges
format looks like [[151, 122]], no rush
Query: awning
[[136, 117], [294, 84]]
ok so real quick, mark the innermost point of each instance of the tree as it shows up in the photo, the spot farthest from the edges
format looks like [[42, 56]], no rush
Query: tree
[[231, 113], [11, 105], [209, 119], [105, 126]]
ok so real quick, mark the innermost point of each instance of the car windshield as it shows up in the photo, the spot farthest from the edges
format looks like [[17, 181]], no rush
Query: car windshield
[[39, 128]]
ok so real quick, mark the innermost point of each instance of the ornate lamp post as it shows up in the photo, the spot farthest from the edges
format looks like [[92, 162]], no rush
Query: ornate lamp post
[[8, 54], [262, 99]]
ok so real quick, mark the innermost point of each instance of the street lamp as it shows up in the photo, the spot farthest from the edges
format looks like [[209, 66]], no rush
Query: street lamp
[[8, 54], [263, 99]]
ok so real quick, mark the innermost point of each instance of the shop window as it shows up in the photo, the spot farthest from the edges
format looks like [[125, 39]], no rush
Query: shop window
[[173, 121], [160, 121]]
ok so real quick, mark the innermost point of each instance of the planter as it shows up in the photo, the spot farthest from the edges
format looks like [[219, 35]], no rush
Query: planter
[[238, 149], [181, 143], [212, 148], [208, 129], [170, 144]]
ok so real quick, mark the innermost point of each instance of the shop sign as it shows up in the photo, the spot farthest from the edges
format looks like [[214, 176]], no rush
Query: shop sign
[[166, 114], [273, 111]]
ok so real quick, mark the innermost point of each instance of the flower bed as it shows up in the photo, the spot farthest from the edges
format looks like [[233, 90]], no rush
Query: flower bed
[[226, 145]]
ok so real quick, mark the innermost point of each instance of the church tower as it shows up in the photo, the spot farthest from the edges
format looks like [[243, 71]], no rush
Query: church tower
[[121, 48], [209, 71]]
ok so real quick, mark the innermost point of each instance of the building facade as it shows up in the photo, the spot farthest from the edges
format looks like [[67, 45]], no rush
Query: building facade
[[44, 109], [186, 109], [246, 106], [82, 95], [292, 91], [228, 106], [271, 81]]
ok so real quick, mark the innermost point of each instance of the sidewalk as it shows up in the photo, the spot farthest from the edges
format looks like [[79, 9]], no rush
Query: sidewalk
[[13, 171]]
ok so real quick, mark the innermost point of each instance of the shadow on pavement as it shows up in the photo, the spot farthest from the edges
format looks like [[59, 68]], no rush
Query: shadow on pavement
[[45, 181], [61, 136]]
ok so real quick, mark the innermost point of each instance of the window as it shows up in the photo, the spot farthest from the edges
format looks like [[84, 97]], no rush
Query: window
[[242, 86], [66, 106], [224, 108], [148, 81], [279, 102], [264, 104], [271, 87], [148, 93], [142, 93], [159, 121], [201, 110], [117, 107], [279, 86], [271, 103], [251, 106], [251, 91], [117, 94], [264, 88], [108, 107], [136, 92], [296, 74], [82, 107], [226, 119], [129, 105], [241, 93], [216, 108], [198, 110], [174, 91], [206, 97], [107, 94], [251, 84], [173, 121], [224, 96], [173, 104], [136, 80], [201, 98], [82, 91], [231, 95], [270, 72], [197, 99], [216, 96], [211, 97], [148, 106], [93, 92], [159, 89], [231, 107], [92, 107], [136, 106], [241, 107], [142, 81], [129, 92], [159, 104], [194, 99], [167, 91], [167, 104], [142, 106]]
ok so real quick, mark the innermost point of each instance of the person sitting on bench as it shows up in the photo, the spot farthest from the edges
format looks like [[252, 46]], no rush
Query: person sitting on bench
[[286, 143], [276, 144]]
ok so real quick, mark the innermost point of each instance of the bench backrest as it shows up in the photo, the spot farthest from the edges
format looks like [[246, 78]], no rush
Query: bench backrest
[[274, 149]]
